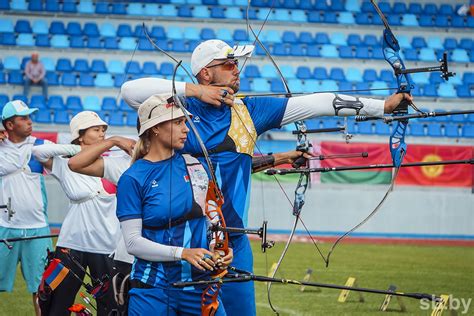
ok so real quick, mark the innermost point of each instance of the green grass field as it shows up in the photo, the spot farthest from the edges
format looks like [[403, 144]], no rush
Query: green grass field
[[428, 269]]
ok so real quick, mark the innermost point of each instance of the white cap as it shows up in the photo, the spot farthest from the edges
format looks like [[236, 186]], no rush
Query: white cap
[[84, 120], [157, 109], [215, 49]]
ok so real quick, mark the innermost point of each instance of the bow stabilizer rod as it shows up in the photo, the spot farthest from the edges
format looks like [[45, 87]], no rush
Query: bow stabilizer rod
[[375, 166], [243, 276], [261, 232], [389, 119]]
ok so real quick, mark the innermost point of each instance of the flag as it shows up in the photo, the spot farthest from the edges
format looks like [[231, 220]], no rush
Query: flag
[[378, 154], [55, 273]]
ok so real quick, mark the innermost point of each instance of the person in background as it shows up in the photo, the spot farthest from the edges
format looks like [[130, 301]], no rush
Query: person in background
[[90, 231], [21, 180], [35, 75]]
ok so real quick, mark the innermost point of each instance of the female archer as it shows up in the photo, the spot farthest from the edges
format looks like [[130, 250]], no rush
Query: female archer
[[161, 201]]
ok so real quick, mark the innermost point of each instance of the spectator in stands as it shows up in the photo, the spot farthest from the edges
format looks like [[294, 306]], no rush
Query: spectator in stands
[[230, 132], [35, 75], [90, 231], [21, 180]]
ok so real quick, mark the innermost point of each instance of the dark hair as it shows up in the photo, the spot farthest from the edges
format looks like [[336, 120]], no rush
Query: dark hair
[[10, 119], [81, 133]]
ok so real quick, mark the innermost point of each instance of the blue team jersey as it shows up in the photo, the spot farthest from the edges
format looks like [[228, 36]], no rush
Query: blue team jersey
[[157, 192], [233, 169]]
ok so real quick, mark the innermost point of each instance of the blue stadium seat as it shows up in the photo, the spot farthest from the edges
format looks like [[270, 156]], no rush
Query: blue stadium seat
[[132, 119], [37, 101], [81, 65], [468, 131], [346, 18], [451, 130], [459, 55], [56, 27], [42, 40], [416, 129], [70, 7], [52, 6], [149, 68], [102, 7], [55, 102], [338, 39], [77, 42], [217, 13], [303, 72], [69, 79], [329, 51], [429, 90], [18, 5], [158, 32], [48, 63], [298, 16], [98, 66], [104, 80], [410, 54], [207, 33], [21, 26], [450, 43], [322, 38], [370, 75], [119, 8], [169, 10], [288, 71], [59, 41], [380, 85], [365, 128], [132, 68], [116, 118], [43, 117], [409, 19], [463, 91], [458, 21], [91, 103], [201, 11], [446, 9], [15, 77], [7, 39], [111, 43], [95, 42], [346, 52], [35, 5], [109, 104], [311, 85], [387, 76], [434, 42], [107, 29], [40, 27], [73, 103], [297, 50], [85, 7], [224, 35], [426, 20], [362, 52], [435, 78], [61, 117], [86, 80], [25, 40], [441, 21], [466, 43], [269, 71], [434, 130], [329, 85], [305, 38], [166, 69], [151, 9], [271, 36], [261, 85], [123, 106], [179, 46], [6, 26], [354, 40], [251, 71], [295, 85], [91, 29], [63, 65], [446, 90], [127, 43], [277, 86], [363, 18], [427, 54], [192, 33], [418, 42], [289, 37], [320, 73], [52, 78], [430, 9], [135, 9], [119, 80], [124, 30], [353, 6], [354, 75], [337, 74], [371, 40], [315, 17], [144, 44], [234, 13], [382, 128]]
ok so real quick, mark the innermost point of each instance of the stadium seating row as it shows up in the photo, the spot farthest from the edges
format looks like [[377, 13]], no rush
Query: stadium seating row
[[91, 29], [286, 11]]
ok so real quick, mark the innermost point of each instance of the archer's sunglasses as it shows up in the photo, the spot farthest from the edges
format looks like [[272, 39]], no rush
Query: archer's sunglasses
[[227, 65]]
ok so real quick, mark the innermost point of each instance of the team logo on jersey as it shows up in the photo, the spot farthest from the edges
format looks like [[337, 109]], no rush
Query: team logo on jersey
[[154, 184], [196, 119], [186, 178]]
